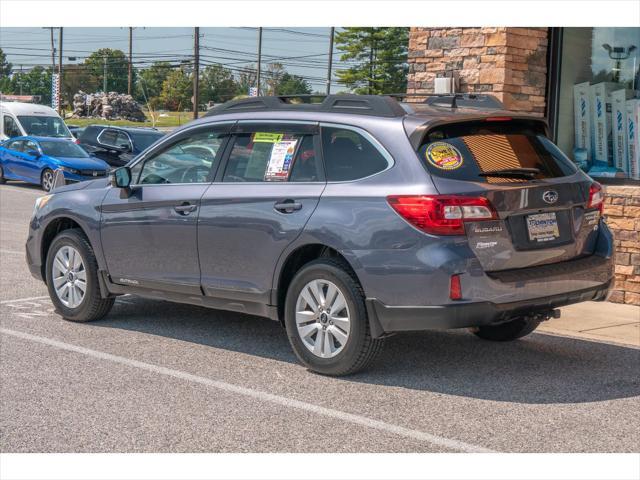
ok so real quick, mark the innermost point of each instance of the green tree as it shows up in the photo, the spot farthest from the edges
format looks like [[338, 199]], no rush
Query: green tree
[[293, 85], [272, 78], [217, 84], [115, 63], [36, 81], [74, 79], [149, 83], [246, 79], [177, 90], [378, 56], [5, 72]]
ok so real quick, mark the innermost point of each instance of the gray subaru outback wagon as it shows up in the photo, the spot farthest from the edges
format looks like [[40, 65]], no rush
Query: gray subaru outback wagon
[[346, 219]]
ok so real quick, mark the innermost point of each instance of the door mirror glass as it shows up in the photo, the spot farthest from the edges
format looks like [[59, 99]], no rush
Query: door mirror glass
[[121, 177]]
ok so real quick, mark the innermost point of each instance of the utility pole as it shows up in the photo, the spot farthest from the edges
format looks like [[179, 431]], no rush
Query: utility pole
[[371, 64], [196, 70], [20, 79], [130, 72], [53, 52], [104, 74], [59, 72], [330, 60], [259, 58]]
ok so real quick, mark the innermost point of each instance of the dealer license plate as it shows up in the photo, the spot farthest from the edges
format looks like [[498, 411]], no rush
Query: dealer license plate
[[543, 227]]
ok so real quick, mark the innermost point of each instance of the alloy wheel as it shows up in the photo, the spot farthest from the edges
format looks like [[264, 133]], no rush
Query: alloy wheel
[[69, 276], [322, 318], [47, 180]]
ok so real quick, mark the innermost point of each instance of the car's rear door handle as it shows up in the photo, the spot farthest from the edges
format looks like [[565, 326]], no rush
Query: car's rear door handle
[[287, 206], [185, 209]]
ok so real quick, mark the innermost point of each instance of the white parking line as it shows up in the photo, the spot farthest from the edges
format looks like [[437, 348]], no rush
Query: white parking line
[[258, 395], [27, 299], [11, 252]]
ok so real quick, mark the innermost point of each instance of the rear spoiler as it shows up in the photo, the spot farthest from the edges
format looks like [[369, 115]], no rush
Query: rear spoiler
[[417, 129]]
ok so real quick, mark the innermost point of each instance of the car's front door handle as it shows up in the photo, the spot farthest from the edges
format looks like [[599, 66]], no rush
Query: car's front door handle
[[287, 206], [185, 208]]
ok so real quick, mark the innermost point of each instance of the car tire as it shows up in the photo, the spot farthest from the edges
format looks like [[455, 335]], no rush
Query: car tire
[[2, 179], [505, 332], [47, 179], [75, 307], [348, 345]]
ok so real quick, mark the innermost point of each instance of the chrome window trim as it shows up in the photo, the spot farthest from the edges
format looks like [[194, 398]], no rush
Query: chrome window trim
[[117, 130], [374, 141]]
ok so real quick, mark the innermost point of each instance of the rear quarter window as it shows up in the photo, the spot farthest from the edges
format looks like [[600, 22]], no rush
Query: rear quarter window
[[467, 154]]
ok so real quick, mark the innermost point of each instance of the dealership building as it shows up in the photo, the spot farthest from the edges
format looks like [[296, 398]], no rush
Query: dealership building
[[584, 81]]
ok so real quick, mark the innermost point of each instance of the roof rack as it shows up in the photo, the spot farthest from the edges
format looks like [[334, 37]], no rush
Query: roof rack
[[455, 100], [374, 105]]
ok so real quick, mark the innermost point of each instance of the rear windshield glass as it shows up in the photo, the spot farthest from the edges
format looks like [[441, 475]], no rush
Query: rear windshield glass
[[468, 154]]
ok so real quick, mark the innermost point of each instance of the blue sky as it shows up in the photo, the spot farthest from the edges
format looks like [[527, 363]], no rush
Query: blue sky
[[233, 47]]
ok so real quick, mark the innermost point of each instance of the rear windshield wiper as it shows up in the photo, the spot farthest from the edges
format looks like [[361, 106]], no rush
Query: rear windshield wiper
[[511, 173]]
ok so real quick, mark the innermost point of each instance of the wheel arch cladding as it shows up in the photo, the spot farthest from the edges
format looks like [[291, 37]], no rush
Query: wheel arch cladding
[[53, 228], [296, 260]]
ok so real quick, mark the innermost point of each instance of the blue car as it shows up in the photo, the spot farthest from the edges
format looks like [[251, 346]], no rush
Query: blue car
[[34, 160]]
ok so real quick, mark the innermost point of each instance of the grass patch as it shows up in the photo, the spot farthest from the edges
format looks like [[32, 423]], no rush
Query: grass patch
[[167, 119]]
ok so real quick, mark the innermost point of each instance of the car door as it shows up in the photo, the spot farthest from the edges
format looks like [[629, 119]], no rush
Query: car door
[[149, 233], [27, 165], [10, 159], [116, 145], [262, 199]]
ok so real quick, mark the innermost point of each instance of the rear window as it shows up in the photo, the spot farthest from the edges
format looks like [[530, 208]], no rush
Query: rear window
[[469, 152]]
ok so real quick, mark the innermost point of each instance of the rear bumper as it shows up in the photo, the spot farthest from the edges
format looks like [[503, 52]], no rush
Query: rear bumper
[[386, 319], [548, 287]]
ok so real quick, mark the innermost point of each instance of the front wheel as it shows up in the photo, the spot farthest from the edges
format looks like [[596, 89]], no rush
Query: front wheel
[[47, 180], [72, 278], [326, 319], [507, 331], [2, 179]]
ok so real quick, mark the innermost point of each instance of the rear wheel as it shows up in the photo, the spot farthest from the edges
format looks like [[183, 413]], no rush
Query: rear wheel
[[507, 331], [46, 180], [326, 319], [72, 278]]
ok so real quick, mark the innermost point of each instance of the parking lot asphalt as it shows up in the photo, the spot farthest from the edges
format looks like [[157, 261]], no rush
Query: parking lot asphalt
[[160, 377]]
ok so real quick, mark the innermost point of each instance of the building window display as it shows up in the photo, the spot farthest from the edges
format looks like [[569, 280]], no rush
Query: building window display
[[599, 102]]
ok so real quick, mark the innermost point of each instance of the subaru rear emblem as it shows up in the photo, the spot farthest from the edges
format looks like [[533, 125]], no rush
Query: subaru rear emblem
[[550, 196]]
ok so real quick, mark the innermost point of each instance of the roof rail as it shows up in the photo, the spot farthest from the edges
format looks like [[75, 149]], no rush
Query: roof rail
[[455, 100], [374, 105]]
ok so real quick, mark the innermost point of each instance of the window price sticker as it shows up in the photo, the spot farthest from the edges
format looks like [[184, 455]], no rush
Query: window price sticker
[[280, 160], [267, 137]]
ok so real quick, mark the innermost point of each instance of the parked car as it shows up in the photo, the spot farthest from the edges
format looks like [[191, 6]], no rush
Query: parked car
[[19, 119], [117, 145], [347, 221], [76, 130], [35, 159]]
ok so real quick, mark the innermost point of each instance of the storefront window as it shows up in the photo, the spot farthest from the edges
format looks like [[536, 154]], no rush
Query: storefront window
[[599, 100]]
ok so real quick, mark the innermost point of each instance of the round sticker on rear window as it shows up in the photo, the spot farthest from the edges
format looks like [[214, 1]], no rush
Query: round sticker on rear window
[[444, 156]]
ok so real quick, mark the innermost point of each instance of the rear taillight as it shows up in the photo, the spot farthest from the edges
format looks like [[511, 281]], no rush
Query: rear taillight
[[442, 214], [596, 197]]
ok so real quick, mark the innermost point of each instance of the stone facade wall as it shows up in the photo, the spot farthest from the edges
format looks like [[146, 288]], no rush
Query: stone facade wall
[[510, 63], [622, 209]]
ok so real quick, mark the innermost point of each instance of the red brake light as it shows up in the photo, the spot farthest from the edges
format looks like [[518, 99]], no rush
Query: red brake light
[[498, 119], [596, 197], [442, 214], [455, 290]]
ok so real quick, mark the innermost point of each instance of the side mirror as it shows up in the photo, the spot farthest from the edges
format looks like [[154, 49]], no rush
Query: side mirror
[[34, 153], [124, 147], [120, 177]]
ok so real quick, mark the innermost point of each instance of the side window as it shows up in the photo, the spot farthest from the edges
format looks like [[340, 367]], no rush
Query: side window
[[306, 165], [113, 138], [190, 160], [16, 145], [29, 146], [262, 157], [10, 127], [349, 156]]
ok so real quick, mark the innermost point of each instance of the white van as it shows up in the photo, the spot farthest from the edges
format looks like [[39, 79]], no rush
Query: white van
[[19, 119]]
